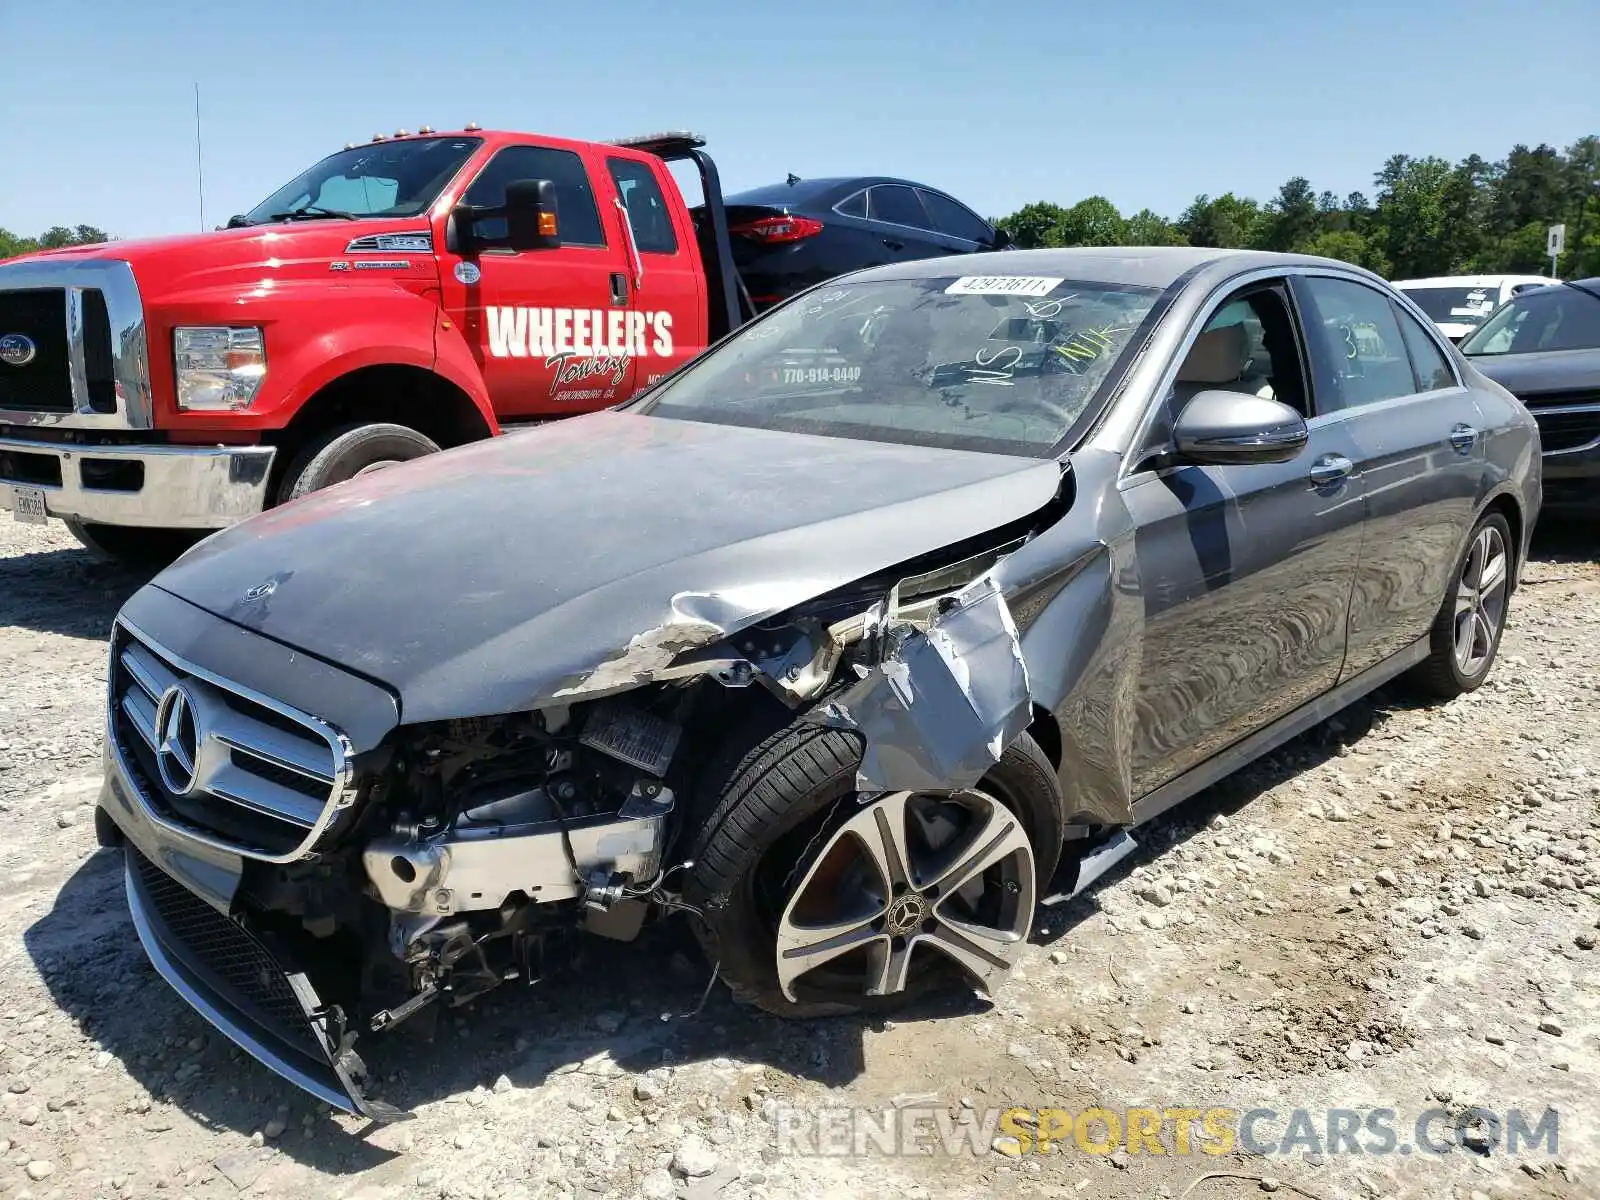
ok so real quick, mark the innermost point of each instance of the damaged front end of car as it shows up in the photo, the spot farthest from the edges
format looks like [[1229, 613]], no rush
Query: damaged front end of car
[[454, 856]]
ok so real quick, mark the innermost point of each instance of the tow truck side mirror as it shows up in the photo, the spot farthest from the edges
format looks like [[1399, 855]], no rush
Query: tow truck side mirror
[[531, 222], [529, 212]]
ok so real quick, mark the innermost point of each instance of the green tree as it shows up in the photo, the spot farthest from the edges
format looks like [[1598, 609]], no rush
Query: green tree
[[12, 244], [1227, 221], [54, 238], [1147, 228], [1348, 246], [1292, 219], [1408, 226], [1093, 222], [1035, 225]]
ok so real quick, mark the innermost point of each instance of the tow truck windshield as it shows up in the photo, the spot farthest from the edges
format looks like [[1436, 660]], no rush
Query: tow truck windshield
[[384, 179]]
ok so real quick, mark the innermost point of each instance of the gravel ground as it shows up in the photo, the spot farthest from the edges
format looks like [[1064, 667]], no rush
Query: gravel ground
[[1397, 910]]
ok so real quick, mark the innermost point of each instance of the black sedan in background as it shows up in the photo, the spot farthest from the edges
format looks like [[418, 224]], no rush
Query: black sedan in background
[[1544, 346], [789, 236]]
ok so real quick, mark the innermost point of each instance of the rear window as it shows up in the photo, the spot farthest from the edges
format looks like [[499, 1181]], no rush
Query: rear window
[[1556, 319], [1455, 305], [1007, 364], [780, 195]]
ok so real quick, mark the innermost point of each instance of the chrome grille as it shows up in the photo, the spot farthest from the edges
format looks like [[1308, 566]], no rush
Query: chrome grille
[[219, 763]]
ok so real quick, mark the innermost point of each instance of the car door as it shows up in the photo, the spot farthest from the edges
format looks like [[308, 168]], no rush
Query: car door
[[539, 321], [668, 281], [1245, 569], [901, 224], [1383, 375]]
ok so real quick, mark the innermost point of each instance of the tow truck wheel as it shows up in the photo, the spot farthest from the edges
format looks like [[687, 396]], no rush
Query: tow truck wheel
[[352, 450], [134, 546]]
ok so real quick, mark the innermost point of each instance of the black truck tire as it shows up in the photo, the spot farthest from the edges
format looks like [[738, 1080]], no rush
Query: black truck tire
[[346, 452], [132, 545], [770, 799]]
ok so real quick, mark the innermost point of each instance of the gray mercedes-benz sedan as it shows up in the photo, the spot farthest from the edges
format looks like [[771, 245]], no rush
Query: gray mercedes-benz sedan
[[859, 638]]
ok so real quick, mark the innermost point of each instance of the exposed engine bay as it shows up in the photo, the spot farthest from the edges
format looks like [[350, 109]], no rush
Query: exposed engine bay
[[479, 847]]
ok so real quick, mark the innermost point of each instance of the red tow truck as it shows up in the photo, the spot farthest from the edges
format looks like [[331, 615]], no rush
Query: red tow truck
[[399, 297]]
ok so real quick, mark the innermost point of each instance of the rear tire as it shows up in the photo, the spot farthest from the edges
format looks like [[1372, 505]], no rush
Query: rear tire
[[131, 545], [352, 450], [1466, 634], [772, 818]]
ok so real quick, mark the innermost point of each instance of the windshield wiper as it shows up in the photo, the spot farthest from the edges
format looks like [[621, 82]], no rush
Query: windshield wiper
[[313, 212]]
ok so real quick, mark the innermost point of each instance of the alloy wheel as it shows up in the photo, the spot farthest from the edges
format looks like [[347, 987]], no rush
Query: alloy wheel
[[908, 879], [1481, 601]]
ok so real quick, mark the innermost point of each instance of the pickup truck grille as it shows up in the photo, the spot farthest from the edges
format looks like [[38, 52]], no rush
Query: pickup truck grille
[[219, 763], [83, 319], [43, 384]]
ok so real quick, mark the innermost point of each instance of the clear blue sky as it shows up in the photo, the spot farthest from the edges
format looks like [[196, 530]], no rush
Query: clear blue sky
[[1145, 101]]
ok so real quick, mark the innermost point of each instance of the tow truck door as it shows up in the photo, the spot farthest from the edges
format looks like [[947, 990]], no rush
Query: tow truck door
[[666, 279], [550, 327]]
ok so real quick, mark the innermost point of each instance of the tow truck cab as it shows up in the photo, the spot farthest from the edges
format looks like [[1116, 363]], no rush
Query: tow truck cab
[[412, 293]]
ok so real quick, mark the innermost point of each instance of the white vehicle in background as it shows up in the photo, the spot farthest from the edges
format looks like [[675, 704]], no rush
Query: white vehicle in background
[[1458, 304]]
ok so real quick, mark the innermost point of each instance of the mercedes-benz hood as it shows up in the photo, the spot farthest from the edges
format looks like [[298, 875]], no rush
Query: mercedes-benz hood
[[578, 556]]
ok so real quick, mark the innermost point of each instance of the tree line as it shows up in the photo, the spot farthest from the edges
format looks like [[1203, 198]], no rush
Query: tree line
[[54, 238], [1426, 217]]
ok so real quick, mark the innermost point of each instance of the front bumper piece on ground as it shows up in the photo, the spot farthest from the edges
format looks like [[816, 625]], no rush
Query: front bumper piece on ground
[[231, 979], [164, 487]]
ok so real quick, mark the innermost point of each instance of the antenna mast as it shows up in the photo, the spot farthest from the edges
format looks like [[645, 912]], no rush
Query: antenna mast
[[199, 165]]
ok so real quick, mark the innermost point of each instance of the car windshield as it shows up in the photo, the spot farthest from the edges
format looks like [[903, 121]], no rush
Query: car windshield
[[1455, 305], [1006, 364], [383, 179], [1566, 318]]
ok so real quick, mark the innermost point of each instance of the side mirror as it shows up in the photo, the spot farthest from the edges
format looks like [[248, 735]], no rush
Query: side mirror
[[529, 212], [1221, 428], [531, 215], [1002, 239]]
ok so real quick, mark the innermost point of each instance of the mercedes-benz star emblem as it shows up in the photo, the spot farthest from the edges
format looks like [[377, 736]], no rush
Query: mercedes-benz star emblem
[[261, 590], [17, 349], [906, 913], [177, 740]]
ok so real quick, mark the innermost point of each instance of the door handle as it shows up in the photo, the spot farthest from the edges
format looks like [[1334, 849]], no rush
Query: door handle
[[894, 245], [1464, 437], [619, 288], [1330, 469]]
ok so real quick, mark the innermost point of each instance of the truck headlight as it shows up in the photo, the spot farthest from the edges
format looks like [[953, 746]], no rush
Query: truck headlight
[[219, 368]]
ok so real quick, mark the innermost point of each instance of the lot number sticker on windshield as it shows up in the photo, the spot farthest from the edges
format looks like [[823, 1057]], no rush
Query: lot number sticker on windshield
[[1002, 285]]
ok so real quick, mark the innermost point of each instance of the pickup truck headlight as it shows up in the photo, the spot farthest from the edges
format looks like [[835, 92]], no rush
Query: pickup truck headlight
[[219, 368]]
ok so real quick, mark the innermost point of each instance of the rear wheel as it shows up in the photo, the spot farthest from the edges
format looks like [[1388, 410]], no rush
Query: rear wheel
[[131, 545], [1466, 634], [345, 453], [820, 900]]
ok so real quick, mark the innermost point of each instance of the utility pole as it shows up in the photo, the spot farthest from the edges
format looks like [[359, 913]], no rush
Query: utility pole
[[199, 162]]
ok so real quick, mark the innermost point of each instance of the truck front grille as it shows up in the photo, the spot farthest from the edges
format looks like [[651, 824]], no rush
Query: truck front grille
[[44, 383], [220, 763]]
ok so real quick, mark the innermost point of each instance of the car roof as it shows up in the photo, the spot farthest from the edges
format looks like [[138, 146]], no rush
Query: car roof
[[1470, 280], [1141, 266], [807, 189]]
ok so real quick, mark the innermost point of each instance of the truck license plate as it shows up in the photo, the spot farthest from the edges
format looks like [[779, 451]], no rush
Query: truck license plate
[[27, 505]]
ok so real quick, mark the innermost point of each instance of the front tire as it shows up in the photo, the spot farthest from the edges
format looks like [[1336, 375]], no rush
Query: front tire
[[344, 453], [1466, 634], [919, 891], [131, 545]]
